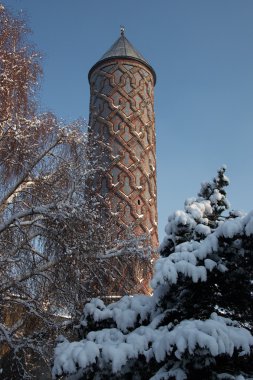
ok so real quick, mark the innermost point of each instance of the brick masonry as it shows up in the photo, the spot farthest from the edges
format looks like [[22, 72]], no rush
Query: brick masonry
[[122, 130]]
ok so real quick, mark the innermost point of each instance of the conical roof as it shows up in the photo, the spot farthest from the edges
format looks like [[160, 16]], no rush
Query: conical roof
[[122, 48]]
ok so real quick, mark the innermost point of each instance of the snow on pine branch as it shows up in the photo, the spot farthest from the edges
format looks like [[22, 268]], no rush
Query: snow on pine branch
[[200, 216], [205, 270], [116, 346], [125, 313], [176, 332], [192, 259], [110, 347]]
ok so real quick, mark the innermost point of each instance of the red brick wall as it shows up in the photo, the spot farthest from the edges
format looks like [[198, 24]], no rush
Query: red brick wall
[[122, 127]]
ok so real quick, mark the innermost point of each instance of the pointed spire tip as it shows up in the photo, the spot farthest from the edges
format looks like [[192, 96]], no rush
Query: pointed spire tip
[[122, 48]]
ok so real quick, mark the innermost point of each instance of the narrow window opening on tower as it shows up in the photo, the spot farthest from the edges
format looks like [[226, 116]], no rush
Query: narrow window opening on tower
[[139, 202]]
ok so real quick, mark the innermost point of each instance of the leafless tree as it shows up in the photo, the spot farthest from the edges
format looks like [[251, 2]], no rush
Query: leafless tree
[[55, 251]]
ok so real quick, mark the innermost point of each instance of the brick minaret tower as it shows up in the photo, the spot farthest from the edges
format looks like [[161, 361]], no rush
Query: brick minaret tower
[[122, 129]]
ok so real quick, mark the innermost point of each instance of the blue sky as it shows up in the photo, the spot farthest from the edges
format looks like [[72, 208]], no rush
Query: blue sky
[[202, 52]]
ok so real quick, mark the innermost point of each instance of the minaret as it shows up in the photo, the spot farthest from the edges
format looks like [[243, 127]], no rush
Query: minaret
[[122, 130]]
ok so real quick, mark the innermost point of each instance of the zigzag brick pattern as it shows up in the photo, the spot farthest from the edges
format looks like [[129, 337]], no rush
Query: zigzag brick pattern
[[122, 128]]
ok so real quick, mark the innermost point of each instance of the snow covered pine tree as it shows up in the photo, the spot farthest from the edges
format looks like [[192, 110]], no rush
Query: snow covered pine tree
[[197, 324]]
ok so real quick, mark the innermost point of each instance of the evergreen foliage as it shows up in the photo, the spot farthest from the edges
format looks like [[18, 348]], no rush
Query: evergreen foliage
[[198, 323]]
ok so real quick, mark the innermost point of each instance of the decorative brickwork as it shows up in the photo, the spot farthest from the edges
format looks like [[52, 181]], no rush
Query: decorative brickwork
[[122, 134], [122, 124]]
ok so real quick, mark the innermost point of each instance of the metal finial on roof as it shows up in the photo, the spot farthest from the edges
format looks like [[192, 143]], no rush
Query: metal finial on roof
[[122, 30], [122, 48]]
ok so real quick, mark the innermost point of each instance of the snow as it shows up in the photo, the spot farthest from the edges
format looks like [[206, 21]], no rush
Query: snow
[[232, 228], [179, 218], [165, 270], [226, 376], [117, 355], [163, 374], [217, 196], [137, 322], [188, 257], [183, 255], [249, 224], [201, 229], [195, 218], [125, 312], [217, 335], [198, 209], [222, 268], [210, 264], [68, 355], [116, 346]]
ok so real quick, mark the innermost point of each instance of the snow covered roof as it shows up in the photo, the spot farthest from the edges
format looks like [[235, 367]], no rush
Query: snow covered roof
[[122, 48]]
